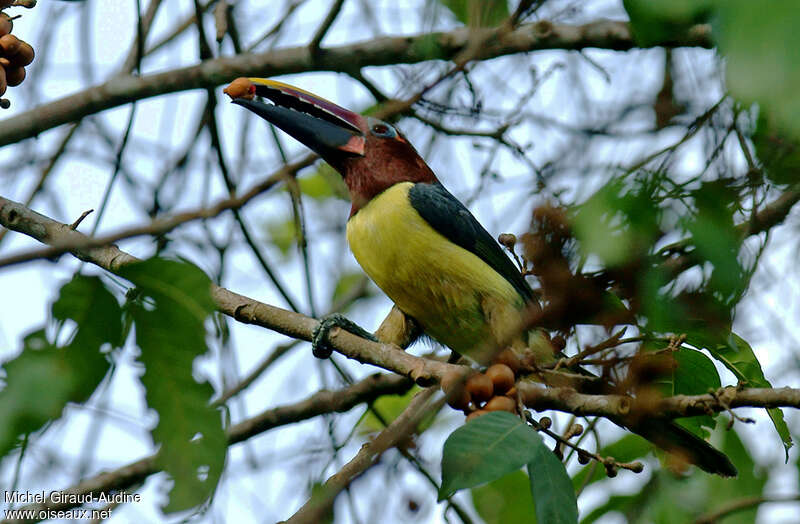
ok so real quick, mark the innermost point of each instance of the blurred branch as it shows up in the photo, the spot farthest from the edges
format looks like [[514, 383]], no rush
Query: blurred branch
[[121, 90], [17, 217], [769, 216], [772, 214], [230, 184], [251, 377], [39, 185], [117, 169], [315, 509], [742, 504], [325, 26], [144, 23], [321, 402], [178, 29], [282, 19], [339, 401]]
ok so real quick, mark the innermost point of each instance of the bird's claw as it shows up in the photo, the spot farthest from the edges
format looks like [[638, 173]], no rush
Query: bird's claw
[[319, 337]]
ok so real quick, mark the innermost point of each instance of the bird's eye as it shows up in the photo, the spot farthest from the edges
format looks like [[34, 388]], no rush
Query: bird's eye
[[383, 130]]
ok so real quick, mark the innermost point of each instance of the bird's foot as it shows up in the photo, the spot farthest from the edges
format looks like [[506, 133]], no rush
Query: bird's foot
[[319, 337]]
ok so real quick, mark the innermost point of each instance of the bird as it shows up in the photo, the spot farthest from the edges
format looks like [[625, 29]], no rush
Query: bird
[[420, 244]]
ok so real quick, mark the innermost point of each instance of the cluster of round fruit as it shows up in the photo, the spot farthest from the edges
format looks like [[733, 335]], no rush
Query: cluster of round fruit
[[15, 54], [481, 393]]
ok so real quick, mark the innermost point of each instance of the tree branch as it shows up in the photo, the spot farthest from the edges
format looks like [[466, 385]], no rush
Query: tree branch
[[123, 89], [769, 216], [244, 309], [616, 406]]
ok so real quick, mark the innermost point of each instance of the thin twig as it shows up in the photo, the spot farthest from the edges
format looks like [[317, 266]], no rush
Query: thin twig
[[313, 45]]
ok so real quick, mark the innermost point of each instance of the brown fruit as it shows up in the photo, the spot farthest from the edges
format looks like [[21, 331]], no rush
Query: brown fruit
[[501, 404], [480, 387], [508, 240], [502, 378], [458, 399], [453, 386], [3, 84], [241, 88], [6, 25], [9, 45], [15, 75], [475, 414], [509, 358], [24, 55]]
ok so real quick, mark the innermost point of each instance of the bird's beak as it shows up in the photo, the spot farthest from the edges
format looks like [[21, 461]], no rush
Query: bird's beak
[[331, 131]]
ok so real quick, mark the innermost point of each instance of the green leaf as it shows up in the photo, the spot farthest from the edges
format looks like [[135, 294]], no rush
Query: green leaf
[[319, 493], [663, 313], [659, 21], [346, 282], [617, 223], [749, 483], [599, 228], [36, 390], [389, 407], [551, 487], [715, 238], [778, 152], [737, 355], [615, 503], [323, 184], [315, 186], [97, 313], [44, 378], [696, 494], [282, 234], [478, 13], [426, 47], [760, 41], [504, 500], [485, 449], [694, 374], [171, 334]]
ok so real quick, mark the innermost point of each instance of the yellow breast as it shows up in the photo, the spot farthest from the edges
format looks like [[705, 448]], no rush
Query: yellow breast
[[455, 296]]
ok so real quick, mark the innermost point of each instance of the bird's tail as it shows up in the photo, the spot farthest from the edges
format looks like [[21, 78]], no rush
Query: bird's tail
[[671, 437]]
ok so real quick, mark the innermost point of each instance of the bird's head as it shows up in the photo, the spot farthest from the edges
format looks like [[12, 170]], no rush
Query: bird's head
[[371, 155]]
